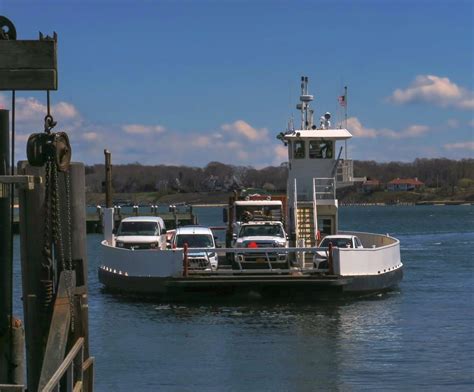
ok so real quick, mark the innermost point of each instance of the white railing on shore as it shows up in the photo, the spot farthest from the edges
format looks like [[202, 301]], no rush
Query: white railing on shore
[[345, 170]]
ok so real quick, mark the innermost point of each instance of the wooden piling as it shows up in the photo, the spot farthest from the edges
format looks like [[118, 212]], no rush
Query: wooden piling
[[108, 179], [79, 241], [32, 218], [5, 253], [18, 348]]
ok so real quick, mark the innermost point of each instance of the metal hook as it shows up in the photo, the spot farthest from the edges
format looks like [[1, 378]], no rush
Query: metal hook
[[49, 123]]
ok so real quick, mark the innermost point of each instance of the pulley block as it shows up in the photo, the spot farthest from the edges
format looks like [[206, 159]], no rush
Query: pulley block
[[55, 146], [7, 29]]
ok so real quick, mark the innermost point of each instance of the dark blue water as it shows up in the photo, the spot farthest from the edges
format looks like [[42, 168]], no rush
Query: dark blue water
[[418, 337]]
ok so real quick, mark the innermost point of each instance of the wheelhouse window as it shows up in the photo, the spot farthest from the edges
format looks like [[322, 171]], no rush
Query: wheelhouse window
[[321, 149], [298, 150]]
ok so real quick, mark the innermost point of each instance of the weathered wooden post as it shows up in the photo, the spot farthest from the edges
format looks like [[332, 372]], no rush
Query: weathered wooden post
[[108, 179], [40, 323], [108, 215], [5, 252]]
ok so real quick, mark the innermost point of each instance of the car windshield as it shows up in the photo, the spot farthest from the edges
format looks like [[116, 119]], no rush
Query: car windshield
[[338, 242], [195, 240], [261, 230], [138, 228]]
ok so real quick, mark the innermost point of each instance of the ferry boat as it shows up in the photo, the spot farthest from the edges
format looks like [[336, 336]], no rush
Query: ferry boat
[[370, 263]]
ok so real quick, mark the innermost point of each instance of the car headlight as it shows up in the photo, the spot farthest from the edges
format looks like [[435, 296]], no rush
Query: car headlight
[[278, 244], [119, 244], [212, 254]]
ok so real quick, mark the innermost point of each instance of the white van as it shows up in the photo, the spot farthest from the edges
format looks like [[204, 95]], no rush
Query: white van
[[197, 237], [141, 232]]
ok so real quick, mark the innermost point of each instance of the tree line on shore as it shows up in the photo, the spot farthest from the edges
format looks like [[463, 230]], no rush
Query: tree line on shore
[[216, 176]]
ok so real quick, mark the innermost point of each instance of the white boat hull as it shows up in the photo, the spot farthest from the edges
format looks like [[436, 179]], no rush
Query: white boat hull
[[161, 272]]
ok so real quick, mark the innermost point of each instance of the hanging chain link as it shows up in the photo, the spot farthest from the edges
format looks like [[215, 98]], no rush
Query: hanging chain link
[[53, 234], [47, 264], [69, 247]]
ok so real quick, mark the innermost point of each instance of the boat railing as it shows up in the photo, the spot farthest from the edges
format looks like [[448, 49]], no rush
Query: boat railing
[[296, 257], [324, 188]]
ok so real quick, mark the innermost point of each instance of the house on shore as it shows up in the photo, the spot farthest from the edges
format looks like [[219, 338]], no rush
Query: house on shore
[[369, 186], [404, 184]]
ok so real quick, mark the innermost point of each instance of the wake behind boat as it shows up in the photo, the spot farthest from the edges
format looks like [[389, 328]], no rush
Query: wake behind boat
[[305, 254]]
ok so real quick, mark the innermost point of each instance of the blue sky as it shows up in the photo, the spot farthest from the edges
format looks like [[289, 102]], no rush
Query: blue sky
[[188, 82]]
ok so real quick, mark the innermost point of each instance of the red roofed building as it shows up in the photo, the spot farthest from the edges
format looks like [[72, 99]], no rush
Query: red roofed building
[[404, 184]]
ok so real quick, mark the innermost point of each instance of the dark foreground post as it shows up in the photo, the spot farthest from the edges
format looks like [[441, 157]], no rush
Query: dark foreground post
[[35, 301], [5, 253], [41, 321]]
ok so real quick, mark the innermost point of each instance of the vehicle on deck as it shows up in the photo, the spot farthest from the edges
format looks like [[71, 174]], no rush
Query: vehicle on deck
[[141, 232], [267, 234], [338, 241], [253, 208], [197, 237]]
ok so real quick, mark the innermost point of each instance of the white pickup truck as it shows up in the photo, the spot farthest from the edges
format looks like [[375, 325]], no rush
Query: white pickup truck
[[262, 234]]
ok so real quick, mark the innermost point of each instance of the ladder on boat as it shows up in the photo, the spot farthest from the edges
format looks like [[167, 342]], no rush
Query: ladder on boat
[[306, 224]]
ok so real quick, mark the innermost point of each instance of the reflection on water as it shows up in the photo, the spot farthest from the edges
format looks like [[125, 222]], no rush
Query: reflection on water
[[256, 346]]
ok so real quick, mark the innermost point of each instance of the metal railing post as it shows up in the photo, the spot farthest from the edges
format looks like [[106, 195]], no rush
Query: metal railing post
[[185, 260]]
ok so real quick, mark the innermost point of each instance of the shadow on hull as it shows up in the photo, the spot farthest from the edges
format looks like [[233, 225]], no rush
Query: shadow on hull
[[195, 290]]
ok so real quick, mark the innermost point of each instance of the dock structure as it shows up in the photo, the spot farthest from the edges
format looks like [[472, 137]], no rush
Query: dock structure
[[52, 227], [94, 224]]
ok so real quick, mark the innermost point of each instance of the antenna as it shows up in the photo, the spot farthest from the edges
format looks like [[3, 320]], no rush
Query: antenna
[[305, 98]]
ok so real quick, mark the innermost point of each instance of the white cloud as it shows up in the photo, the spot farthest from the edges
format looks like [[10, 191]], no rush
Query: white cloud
[[357, 129], [90, 136], [471, 123], [28, 110], [139, 129], [469, 146], [436, 90], [244, 129], [281, 153], [414, 130]]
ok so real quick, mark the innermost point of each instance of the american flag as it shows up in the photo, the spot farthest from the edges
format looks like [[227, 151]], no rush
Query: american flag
[[342, 100]]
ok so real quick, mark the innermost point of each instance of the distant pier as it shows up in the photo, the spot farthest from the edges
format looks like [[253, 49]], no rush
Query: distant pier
[[94, 222]]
